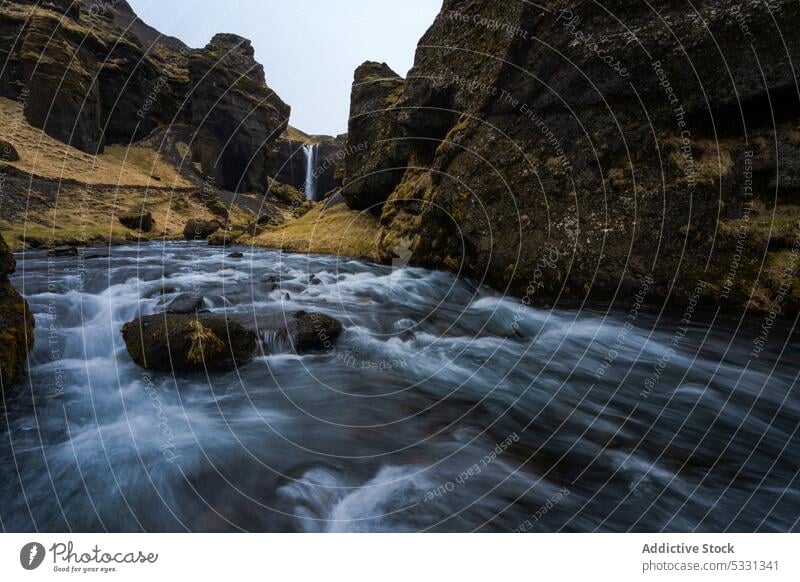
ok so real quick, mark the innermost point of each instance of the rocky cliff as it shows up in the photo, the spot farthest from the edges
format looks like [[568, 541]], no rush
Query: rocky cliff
[[93, 74], [16, 323], [581, 149], [288, 161], [377, 151]]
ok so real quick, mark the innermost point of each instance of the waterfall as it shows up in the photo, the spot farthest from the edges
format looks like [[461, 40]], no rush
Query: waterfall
[[310, 151]]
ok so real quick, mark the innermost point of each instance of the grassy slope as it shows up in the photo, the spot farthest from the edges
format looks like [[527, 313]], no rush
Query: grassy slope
[[335, 231], [41, 155], [85, 194], [126, 180]]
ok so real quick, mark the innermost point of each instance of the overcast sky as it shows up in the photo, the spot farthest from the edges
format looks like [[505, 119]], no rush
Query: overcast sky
[[309, 48]]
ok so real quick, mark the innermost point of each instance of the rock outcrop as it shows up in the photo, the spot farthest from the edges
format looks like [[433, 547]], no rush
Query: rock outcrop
[[188, 343], [199, 229], [288, 161], [581, 150], [235, 114], [16, 323], [376, 154], [8, 153], [310, 332], [142, 221], [99, 75]]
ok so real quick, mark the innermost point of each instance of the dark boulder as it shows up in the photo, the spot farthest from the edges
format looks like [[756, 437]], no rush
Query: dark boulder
[[199, 229], [185, 303], [236, 256], [313, 331], [8, 153], [138, 221], [223, 238], [188, 343], [64, 251]]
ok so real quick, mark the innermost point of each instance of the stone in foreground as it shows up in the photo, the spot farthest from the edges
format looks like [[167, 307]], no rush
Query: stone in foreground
[[188, 343]]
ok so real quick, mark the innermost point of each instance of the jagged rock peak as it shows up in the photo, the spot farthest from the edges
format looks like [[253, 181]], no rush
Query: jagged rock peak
[[230, 41]]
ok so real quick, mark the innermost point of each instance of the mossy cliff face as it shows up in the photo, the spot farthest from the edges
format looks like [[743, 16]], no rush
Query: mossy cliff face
[[579, 150], [16, 323], [376, 155], [94, 74]]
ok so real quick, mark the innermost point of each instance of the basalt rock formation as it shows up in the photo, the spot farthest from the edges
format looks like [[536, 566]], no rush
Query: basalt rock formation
[[236, 115], [288, 161], [95, 74], [16, 323], [376, 152], [582, 149]]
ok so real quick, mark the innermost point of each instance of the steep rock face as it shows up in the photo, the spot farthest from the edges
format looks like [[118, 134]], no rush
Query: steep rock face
[[330, 163], [580, 150], [376, 158], [288, 162], [16, 323], [99, 75], [235, 114]]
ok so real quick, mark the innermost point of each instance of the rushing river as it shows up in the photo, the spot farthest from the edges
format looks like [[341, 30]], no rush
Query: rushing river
[[443, 407]]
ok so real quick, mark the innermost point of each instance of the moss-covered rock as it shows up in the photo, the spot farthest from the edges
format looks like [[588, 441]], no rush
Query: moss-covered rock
[[16, 323], [102, 76], [313, 331], [188, 343], [562, 153], [375, 156], [199, 229]]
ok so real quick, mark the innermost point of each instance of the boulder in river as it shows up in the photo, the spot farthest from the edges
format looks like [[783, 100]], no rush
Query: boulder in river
[[313, 331], [185, 303], [223, 238], [188, 343], [142, 221], [236, 256], [64, 251], [199, 229]]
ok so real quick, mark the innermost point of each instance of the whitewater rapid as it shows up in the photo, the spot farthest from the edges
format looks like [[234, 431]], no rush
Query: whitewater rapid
[[445, 406]]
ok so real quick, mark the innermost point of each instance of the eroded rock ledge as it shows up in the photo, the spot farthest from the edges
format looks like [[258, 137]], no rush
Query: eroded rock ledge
[[16, 323]]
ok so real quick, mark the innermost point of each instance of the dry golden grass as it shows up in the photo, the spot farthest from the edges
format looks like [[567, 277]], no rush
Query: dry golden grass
[[335, 231], [93, 218], [43, 156]]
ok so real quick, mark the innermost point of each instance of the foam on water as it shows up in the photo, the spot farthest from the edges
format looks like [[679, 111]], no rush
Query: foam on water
[[401, 426]]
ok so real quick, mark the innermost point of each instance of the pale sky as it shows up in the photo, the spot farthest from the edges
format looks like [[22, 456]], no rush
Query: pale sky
[[309, 48]]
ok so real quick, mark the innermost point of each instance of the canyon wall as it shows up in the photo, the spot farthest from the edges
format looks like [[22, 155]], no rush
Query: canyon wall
[[579, 150], [16, 323], [93, 74]]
